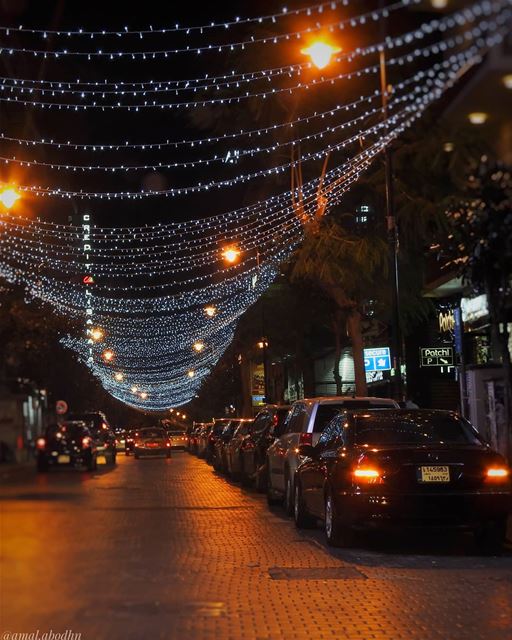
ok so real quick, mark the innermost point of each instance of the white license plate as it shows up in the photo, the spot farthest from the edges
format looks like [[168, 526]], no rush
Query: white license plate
[[63, 459], [435, 474], [101, 460]]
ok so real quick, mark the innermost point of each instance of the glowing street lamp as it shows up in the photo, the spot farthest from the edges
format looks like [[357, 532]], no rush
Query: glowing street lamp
[[231, 254], [198, 346], [210, 311], [97, 334], [320, 53], [119, 376], [191, 373], [108, 355], [144, 395], [9, 197], [134, 389]]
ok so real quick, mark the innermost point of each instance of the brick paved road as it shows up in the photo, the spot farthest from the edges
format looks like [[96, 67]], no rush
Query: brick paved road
[[165, 549]]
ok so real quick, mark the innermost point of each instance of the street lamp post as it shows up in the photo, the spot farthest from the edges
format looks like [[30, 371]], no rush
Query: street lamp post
[[321, 54]]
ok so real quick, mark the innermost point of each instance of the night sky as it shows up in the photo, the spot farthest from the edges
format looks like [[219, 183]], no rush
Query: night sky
[[155, 125]]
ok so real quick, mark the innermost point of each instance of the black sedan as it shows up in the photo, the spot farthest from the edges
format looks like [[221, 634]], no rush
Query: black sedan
[[68, 444], [417, 468], [152, 441]]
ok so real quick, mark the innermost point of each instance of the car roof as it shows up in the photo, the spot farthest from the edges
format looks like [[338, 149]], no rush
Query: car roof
[[338, 399]]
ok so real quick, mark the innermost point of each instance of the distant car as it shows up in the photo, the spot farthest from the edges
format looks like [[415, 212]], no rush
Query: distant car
[[129, 445], [304, 424], [202, 440], [214, 435], [193, 437], [418, 468], [69, 444], [233, 453], [120, 439], [219, 460], [100, 429], [152, 441], [268, 425], [178, 438]]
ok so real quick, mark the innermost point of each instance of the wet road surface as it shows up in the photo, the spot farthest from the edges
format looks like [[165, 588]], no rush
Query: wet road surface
[[168, 549]]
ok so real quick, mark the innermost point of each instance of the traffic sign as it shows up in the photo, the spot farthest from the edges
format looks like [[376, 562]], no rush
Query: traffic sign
[[61, 407], [378, 359], [436, 356]]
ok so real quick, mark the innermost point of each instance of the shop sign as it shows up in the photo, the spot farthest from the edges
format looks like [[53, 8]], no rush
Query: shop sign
[[474, 309], [446, 321], [377, 359], [436, 356]]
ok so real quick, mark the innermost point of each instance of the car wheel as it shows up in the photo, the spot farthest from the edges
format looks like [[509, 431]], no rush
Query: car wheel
[[337, 534], [303, 520], [272, 499], [490, 537], [288, 495]]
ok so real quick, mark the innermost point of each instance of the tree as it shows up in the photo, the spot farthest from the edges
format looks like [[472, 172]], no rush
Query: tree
[[479, 246]]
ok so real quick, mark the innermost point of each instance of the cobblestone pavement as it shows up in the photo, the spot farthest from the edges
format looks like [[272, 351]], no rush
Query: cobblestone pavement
[[167, 549]]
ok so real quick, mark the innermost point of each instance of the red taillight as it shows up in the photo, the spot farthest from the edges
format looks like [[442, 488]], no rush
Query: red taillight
[[367, 475], [497, 474], [86, 442], [41, 443], [305, 438], [167, 444]]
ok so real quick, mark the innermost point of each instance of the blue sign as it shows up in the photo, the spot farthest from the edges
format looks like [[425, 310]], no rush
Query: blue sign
[[377, 359], [458, 330]]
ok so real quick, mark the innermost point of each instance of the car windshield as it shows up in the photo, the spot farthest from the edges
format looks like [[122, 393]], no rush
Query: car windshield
[[152, 433], [413, 428]]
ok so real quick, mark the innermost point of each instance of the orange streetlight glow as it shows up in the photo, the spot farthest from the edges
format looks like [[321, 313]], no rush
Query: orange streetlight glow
[[119, 377], [9, 197], [320, 53], [210, 311], [134, 389], [97, 335], [198, 346], [191, 373], [108, 355], [144, 395], [231, 254]]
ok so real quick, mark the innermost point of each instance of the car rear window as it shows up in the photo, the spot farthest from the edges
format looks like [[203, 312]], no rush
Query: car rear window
[[413, 429], [324, 414], [152, 433]]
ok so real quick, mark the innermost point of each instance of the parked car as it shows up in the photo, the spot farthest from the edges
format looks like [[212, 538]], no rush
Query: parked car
[[69, 444], [233, 454], [218, 427], [219, 460], [202, 439], [193, 439], [152, 441], [304, 423], [268, 425], [408, 467], [98, 425], [178, 438]]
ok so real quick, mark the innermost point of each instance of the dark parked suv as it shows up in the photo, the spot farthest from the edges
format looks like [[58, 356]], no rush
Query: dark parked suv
[[66, 444], [99, 427]]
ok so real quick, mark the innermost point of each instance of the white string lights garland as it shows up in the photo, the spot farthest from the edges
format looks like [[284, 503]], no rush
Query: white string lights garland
[[152, 284]]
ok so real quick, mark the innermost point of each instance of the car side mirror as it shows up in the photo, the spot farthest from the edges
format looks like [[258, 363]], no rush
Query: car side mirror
[[307, 450]]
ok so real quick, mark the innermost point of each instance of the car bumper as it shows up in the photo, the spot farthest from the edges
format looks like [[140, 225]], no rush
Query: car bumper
[[456, 510], [152, 452]]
